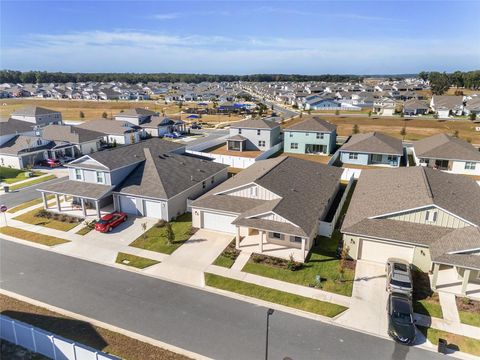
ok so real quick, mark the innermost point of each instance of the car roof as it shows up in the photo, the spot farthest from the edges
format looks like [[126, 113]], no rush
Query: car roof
[[401, 303]]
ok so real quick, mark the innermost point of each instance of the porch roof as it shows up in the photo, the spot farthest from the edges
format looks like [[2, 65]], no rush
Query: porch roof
[[78, 189], [237, 138], [270, 225], [466, 261]]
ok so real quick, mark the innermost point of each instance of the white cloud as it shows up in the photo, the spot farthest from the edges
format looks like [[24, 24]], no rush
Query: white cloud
[[168, 16]]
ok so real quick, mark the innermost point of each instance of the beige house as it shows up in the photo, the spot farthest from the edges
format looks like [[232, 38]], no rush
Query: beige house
[[425, 216], [273, 207]]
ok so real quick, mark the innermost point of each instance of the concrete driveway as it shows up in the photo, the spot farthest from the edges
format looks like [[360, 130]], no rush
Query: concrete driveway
[[190, 260], [369, 300]]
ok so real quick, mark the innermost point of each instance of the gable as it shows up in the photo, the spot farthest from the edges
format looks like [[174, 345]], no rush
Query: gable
[[88, 161], [272, 216], [252, 191]]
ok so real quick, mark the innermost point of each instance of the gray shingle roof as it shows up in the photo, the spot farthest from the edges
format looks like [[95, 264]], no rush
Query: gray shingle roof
[[375, 143], [13, 126], [33, 111], [442, 146], [136, 112], [314, 124], [110, 127], [78, 188], [72, 134], [255, 124], [22, 144]]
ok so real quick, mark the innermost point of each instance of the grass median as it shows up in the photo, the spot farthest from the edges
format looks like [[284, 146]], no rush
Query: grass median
[[455, 342], [32, 236], [275, 296], [32, 182]]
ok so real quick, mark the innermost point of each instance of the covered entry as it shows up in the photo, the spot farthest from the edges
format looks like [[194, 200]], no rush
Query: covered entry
[[378, 251]]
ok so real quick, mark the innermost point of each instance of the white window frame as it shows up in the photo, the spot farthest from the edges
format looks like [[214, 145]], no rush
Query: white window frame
[[431, 216], [261, 143], [294, 146], [320, 136], [470, 165], [102, 177], [352, 156], [78, 174]]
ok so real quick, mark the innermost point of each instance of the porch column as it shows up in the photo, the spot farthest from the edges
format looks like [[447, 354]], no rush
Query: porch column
[[303, 248], [84, 211], [237, 239], [436, 268], [57, 197], [466, 277], [45, 202], [97, 207], [260, 245]]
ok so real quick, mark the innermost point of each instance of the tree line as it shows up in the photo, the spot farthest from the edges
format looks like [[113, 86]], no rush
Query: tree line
[[12, 76], [441, 82]]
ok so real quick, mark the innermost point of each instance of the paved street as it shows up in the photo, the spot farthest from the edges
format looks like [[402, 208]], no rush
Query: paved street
[[209, 135], [199, 321], [17, 197]]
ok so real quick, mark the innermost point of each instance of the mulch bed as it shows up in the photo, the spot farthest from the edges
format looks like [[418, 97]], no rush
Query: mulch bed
[[465, 304]]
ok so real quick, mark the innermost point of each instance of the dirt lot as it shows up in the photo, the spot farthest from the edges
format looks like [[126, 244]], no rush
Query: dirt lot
[[83, 332], [416, 128]]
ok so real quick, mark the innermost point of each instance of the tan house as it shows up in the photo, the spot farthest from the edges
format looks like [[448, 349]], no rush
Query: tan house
[[425, 216]]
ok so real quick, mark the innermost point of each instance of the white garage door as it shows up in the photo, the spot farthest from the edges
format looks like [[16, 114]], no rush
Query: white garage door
[[128, 205], [153, 209], [218, 222], [379, 251]]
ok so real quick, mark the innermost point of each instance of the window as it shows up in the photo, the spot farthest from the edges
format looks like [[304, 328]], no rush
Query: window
[[212, 180], [253, 191], [258, 132], [261, 143], [204, 185], [320, 135], [294, 146], [100, 177], [470, 166], [306, 134], [295, 239], [78, 174], [431, 216], [352, 156], [392, 158], [239, 131], [291, 134], [276, 236]]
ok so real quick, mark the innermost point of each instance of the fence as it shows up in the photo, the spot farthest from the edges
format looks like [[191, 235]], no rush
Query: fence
[[46, 343], [326, 228]]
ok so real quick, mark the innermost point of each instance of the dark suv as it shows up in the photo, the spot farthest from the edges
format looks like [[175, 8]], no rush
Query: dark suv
[[401, 326]]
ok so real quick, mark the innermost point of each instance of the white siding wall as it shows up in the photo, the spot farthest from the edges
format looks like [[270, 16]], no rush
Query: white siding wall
[[11, 161], [274, 217], [253, 192], [458, 167], [419, 217]]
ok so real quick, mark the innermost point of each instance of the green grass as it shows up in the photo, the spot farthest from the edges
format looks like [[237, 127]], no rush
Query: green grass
[[30, 218], [31, 236], [32, 182], [428, 307], [84, 230], [455, 342], [275, 296], [155, 239], [10, 176], [224, 261], [228, 256], [28, 204], [469, 318], [425, 301], [135, 261]]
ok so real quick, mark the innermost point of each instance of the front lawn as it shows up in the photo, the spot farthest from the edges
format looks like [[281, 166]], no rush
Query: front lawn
[[28, 204], [57, 221], [10, 176], [155, 238], [469, 311], [275, 296], [455, 342], [228, 256], [425, 301], [32, 182], [135, 261], [32, 236], [321, 261]]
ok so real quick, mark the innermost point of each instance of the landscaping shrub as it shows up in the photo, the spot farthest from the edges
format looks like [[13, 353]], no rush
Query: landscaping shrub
[[293, 265], [58, 217], [160, 223]]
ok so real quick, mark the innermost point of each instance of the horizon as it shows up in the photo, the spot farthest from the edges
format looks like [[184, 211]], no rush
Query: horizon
[[363, 38]]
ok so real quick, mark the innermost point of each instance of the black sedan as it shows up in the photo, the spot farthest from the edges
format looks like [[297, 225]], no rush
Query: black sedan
[[401, 326]]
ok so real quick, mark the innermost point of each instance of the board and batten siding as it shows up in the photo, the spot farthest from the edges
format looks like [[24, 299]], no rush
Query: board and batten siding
[[443, 219], [253, 192], [273, 217]]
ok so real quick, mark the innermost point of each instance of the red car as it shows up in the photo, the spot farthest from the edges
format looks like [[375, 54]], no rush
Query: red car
[[51, 163], [109, 221]]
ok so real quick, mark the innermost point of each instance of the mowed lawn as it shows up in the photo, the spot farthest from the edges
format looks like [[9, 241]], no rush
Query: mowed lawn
[[155, 238], [10, 176], [32, 236], [134, 260], [455, 342]]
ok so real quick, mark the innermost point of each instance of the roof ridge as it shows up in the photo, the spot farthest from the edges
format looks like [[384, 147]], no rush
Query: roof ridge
[[149, 160], [427, 182]]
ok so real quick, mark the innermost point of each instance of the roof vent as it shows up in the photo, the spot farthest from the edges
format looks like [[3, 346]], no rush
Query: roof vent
[[191, 178]]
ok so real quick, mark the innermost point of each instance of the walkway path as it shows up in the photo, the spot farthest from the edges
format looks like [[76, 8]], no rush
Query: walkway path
[[241, 261], [449, 307]]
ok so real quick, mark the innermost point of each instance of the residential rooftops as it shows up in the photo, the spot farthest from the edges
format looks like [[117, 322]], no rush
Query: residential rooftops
[[373, 142], [255, 124], [446, 147], [30, 110], [315, 124]]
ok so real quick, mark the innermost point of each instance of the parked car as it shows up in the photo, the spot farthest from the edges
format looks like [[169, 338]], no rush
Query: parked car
[[401, 326], [109, 221], [51, 163], [195, 126], [171, 136], [399, 276]]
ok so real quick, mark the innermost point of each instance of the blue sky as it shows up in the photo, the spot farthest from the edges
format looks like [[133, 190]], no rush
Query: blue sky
[[240, 37]]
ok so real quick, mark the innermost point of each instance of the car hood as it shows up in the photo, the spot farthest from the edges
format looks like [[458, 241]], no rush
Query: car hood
[[404, 330]]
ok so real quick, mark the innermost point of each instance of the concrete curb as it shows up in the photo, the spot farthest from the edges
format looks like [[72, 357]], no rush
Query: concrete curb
[[131, 334]]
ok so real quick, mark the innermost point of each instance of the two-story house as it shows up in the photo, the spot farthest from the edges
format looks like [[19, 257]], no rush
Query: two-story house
[[37, 115], [152, 178], [447, 153], [311, 136], [372, 148], [274, 203], [260, 135], [135, 116], [428, 217]]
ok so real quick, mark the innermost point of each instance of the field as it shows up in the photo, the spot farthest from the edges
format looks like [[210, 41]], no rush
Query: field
[[416, 128]]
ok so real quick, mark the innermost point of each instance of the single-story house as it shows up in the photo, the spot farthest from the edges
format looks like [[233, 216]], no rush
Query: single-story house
[[447, 153], [278, 202], [372, 148], [428, 217], [415, 107], [311, 136], [445, 105], [114, 132]]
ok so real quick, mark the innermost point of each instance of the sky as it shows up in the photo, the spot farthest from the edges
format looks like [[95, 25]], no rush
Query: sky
[[240, 37]]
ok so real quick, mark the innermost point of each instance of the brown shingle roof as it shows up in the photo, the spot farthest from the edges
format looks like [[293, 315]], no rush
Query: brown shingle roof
[[442, 146], [314, 124], [375, 143]]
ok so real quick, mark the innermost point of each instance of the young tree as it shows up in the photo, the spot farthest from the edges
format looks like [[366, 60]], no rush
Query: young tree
[[144, 230], [403, 132], [342, 265], [170, 235], [82, 115], [370, 113], [456, 133], [337, 112], [355, 129], [472, 116], [104, 115]]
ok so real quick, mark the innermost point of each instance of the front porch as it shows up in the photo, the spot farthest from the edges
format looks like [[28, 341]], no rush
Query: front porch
[[456, 281], [256, 242], [72, 206]]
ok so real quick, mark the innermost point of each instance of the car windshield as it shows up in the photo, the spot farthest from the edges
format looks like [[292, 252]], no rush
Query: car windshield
[[404, 318], [401, 283], [102, 222]]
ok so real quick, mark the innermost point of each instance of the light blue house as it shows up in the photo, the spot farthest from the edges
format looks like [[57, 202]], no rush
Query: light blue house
[[317, 103], [311, 136], [372, 149]]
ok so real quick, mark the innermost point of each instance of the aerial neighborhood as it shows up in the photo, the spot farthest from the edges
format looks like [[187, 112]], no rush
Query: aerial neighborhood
[[293, 193]]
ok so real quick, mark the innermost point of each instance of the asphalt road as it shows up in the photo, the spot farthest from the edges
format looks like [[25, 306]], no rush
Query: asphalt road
[[209, 135], [26, 194], [212, 325]]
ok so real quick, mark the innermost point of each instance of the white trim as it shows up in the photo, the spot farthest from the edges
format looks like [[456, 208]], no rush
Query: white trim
[[369, 152], [246, 185], [387, 239], [273, 212]]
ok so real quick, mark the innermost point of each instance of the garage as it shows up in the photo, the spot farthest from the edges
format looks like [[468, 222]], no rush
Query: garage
[[153, 209], [378, 251], [218, 222], [128, 205]]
